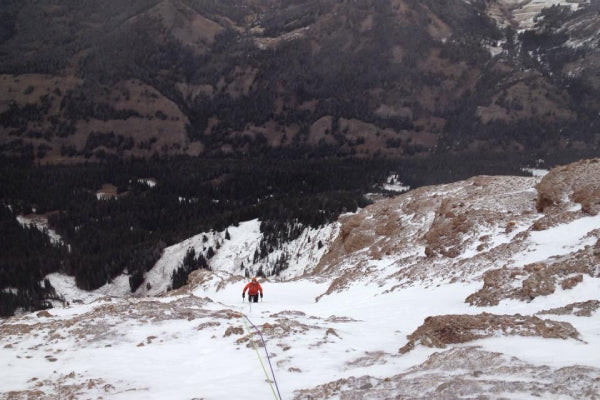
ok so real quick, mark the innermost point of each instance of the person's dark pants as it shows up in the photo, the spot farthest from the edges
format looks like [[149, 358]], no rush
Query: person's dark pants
[[253, 298]]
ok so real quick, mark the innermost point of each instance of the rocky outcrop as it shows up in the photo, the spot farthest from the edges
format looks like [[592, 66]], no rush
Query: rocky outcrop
[[580, 309], [539, 279], [442, 330], [568, 192], [460, 230], [578, 182], [440, 231]]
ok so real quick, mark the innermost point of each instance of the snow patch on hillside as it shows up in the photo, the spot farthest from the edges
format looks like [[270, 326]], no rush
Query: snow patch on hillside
[[524, 13], [41, 223], [302, 254], [150, 182], [393, 184], [235, 254], [158, 279], [536, 172], [66, 287]]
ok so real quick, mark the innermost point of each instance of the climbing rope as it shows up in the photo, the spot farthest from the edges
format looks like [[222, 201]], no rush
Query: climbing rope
[[260, 359]]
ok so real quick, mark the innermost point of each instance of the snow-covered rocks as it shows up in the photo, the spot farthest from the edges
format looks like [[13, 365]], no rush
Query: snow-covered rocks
[[580, 309], [466, 372], [439, 331], [431, 234], [536, 279], [577, 183]]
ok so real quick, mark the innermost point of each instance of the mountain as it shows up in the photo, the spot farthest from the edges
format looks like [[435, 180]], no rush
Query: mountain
[[83, 80], [481, 288]]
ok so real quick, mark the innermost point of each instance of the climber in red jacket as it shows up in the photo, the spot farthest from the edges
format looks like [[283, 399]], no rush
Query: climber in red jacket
[[253, 289]]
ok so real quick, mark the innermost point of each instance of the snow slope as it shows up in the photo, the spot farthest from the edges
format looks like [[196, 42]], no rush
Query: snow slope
[[302, 254], [149, 356], [336, 333], [236, 255]]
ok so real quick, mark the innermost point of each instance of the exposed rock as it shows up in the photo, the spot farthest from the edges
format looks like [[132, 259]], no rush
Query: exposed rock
[[233, 330], [596, 250], [43, 314], [589, 198], [581, 309], [68, 386], [93, 326], [331, 331], [540, 282], [446, 232], [497, 283], [577, 182], [205, 278], [537, 279], [370, 358], [441, 330], [284, 327], [570, 283]]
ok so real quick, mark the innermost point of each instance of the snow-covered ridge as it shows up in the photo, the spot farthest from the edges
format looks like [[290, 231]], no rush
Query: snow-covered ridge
[[235, 256], [235, 251]]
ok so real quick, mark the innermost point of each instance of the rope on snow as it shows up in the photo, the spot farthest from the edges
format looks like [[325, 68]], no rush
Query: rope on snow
[[260, 359]]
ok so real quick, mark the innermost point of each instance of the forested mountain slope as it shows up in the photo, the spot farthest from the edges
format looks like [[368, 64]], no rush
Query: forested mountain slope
[[83, 80]]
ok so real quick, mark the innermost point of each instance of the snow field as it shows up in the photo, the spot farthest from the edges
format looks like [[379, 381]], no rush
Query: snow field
[[182, 362]]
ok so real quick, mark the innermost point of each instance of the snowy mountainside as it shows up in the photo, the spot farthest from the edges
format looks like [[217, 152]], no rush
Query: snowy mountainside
[[485, 288], [236, 255], [239, 254]]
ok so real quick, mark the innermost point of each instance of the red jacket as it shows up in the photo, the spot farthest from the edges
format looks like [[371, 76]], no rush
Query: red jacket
[[253, 288]]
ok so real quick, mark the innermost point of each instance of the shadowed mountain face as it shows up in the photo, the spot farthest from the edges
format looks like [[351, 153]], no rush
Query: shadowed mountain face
[[89, 80]]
